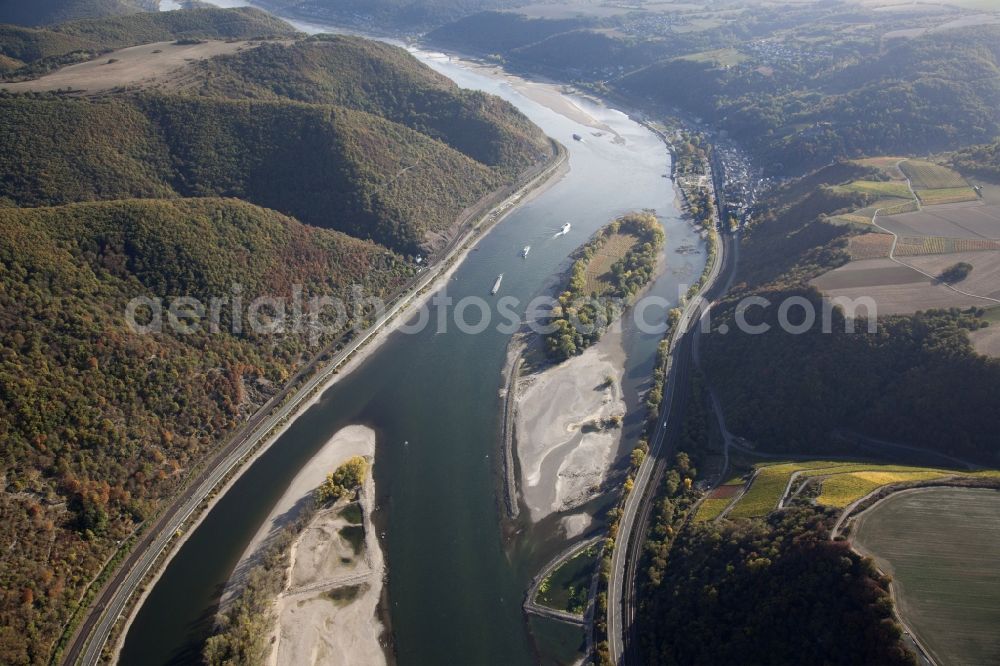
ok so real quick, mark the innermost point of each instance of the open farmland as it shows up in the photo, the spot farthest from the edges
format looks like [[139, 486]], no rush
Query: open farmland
[[725, 57], [841, 489], [899, 290], [879, 188], [886, 164], [940, 546], [877, 245], [768, 487], [711, 508], [869, 246], [972, 219], [140, 66], [954, 224], [598, 273]]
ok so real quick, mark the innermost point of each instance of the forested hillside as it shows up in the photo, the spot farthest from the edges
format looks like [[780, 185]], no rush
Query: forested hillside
[[384, 80], [38, 50], [916, 380], [328, 166], [775, 592], [981, 161], [100, 423], [244, 181], [41, 12], [798, 85]]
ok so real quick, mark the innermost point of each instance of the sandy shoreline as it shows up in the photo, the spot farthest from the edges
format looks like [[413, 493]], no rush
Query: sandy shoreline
[[345, 443], [564, 456], [329, 610], [553, 95]]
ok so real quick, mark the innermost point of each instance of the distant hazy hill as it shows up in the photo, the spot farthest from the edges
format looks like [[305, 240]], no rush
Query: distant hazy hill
[[407, 15], [499, 32], [794, 83], [46, 48], [42, 12], [931, 93]]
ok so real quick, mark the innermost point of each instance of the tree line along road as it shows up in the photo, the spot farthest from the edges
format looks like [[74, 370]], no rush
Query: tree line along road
[[638, 505]]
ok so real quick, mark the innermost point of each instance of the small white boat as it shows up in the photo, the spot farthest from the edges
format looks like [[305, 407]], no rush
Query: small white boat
[[496, 285], [565, 229], [525, 251]]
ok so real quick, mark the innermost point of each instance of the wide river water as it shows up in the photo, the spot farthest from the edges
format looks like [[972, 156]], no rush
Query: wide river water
[[456, 583]]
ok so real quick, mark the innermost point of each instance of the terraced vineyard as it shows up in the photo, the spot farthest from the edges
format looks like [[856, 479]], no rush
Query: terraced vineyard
[[717, 501], [929, 176], [835, 484], [946, 195]]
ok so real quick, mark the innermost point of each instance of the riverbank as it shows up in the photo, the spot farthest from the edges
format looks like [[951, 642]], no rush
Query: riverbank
[[346, 443], [428, 390], [532, 184]]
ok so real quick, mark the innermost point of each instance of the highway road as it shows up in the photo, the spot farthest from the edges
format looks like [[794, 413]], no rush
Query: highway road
[[639, 503], [88, 641]]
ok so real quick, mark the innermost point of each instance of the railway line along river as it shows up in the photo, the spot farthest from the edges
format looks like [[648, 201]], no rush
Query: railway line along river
[[456, 577]]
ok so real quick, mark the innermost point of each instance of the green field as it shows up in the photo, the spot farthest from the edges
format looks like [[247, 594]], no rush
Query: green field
[[879, 188], [840, 482], [946, 195], [711, 508], [841, 489], [992, 315], [724, 57], [940, 545]]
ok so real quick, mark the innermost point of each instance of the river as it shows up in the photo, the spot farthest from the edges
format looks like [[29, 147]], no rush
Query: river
[[456, 582]]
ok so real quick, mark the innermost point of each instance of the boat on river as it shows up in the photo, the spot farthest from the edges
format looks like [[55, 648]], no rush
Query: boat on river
[[496, 285], [525, 251], [565, 229]]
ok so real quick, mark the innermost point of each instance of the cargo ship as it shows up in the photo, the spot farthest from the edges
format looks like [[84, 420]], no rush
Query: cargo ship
[[496, 285]]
